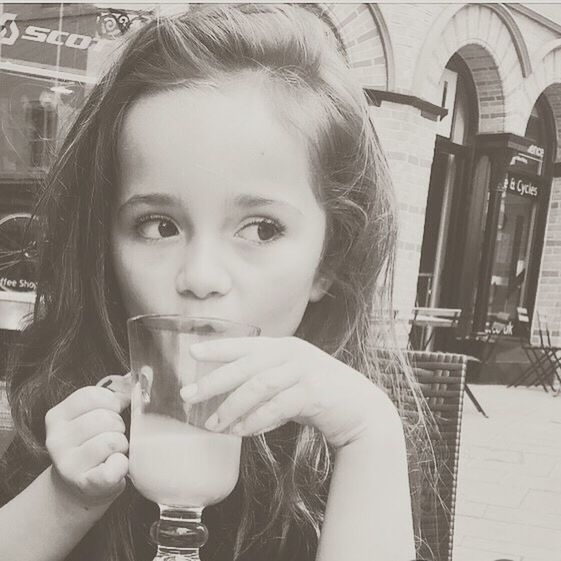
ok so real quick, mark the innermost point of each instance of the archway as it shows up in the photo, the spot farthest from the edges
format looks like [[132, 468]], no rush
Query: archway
[[367, 43], [497, 67]]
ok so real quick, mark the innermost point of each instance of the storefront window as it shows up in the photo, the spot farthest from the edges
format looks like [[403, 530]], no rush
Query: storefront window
[[521, 200], [509, 278], [442, 235], [50, 57], [33, 112]]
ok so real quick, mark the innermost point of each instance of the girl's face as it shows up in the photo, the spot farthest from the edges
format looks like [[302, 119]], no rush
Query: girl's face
[[215, 214]]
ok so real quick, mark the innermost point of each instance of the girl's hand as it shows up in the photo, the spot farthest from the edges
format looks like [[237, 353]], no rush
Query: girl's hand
[[87, 444], [275, 380]]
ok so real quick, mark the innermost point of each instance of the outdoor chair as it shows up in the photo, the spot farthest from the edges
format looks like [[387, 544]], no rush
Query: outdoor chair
[[549, 348], [541, 369], [480, 346], [425, 322], [441, 377]]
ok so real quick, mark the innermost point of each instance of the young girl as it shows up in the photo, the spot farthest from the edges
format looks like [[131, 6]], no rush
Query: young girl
[[225, 166]]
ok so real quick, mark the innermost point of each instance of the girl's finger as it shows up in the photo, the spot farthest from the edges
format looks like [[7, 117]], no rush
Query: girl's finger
[[228, 377], [258, 389], [282, 408], [98, 449], [228, 350], [81, 401], [80, 430], [110, 474]]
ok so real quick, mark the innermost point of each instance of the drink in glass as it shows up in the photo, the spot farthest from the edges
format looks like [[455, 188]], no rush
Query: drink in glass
[[173, 460]]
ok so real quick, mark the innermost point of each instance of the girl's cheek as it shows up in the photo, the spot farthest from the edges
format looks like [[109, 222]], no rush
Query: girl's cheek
[[141, 278], [278, 303]]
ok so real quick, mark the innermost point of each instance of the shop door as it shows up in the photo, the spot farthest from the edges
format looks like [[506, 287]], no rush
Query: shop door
[[441, 250], [513, 244]]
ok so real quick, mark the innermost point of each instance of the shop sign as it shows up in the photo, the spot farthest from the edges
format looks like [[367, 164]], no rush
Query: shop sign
[[11, 33], [49, 43], [530, 161], [508, 329], [521, 186], [60, 45], [17, 284]]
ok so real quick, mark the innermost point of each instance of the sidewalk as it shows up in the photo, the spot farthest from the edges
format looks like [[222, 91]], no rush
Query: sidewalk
[[509, 482]]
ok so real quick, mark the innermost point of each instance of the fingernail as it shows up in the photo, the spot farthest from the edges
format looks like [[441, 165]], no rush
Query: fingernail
[[212, 422], [188, 391]]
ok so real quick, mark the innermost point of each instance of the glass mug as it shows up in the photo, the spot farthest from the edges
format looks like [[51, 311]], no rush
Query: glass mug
[[173, 460]]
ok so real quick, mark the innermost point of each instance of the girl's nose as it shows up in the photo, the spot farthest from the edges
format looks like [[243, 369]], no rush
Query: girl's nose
[[202, 273]]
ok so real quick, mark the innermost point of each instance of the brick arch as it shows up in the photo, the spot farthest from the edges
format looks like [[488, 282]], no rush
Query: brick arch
[[367, 42], [545, 79], [553, 96], [487, 37], [488, 87]]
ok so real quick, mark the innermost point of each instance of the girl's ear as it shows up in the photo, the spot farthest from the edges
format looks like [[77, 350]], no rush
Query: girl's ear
[[320, 288]]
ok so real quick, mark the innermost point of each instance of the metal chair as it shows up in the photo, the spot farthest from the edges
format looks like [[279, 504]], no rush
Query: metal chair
[[540, 369], [550, 350], [441, 377]]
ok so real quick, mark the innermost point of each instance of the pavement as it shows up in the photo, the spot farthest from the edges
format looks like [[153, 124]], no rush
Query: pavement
[[508, 504]]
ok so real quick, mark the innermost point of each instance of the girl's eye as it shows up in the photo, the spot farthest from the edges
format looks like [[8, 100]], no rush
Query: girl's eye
[[262, 230], [155, 228]]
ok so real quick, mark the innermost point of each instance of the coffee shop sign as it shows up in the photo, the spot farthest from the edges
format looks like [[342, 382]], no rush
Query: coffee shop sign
[[17, 284]]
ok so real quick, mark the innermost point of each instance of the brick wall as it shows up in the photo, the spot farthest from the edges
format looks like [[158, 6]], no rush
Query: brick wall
[[408, 142], [363, 42], [548, 299]]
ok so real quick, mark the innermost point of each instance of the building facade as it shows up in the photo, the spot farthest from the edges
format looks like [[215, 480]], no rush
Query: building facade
[[466, 100]]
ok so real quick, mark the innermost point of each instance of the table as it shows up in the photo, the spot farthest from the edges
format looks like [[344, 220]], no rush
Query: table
[[429, 319]]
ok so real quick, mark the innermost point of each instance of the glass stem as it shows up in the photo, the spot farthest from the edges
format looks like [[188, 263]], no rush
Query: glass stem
[[179, 534]]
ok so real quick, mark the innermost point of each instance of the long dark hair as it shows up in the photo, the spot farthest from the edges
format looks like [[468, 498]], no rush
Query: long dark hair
[[78, 332]]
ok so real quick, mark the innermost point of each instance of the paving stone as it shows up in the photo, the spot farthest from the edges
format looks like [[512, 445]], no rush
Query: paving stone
[[472, 554], [552, 484], [471, 508], [542, 501], [507, 549], [525, 517], [509, 478], [487, 475], [496, 454], [491, 493], [517, 534]]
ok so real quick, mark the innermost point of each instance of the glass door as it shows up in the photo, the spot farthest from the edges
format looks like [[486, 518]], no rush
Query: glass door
[[513, 244], [436, 240]]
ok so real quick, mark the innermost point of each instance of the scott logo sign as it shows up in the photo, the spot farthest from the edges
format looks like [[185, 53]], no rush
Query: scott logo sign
[[9, 31], [9, 34]]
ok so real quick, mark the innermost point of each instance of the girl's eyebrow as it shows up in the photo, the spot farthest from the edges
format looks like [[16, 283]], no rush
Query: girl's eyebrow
[[245, 201], [253, 201], [150, 198]]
